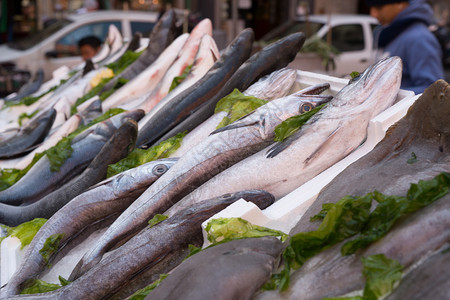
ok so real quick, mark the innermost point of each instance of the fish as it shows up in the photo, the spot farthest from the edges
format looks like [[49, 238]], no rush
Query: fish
[[104, 199], [185, 58], [408, 241], [118, 146], [29, 88], [272, 86], [162, 35], [427, 281], [158, 120], [146, 81], [273, 57], [137, 254], [327, 137], [223, 148], [424, 131], [232, 270], [204, 59], [40, 180], [90, 110], [33, 133], [51, 140]]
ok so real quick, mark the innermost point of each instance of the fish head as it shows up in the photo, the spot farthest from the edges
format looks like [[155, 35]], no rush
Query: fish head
[[274, 85], [439, 106], [376, 87]]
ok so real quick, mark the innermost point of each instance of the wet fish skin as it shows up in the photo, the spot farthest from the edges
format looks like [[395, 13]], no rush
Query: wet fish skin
[[29, 88], [410, 240], [142, 85], [33, 133], [427, 281], [273, 57], [326, 138], [169, 236], [118, 146], [220, 150], [40, 180], [104, 199], [270, 87], [161, 36], [232, 270], [155, 125], [386, 168]]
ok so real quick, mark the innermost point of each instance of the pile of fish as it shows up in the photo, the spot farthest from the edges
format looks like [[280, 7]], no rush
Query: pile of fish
[[173, 87]]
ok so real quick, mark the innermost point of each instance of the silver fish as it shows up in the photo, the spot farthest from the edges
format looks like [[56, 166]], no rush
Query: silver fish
[[108, 197], [40, 180], [326, 138], [223, 148], [137, 254]]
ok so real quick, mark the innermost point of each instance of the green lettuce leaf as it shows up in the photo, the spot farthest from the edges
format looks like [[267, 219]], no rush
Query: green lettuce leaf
[[227, 229], [23, 116], [29, 100], [321, 215], [157, 219], [179, 79], [25, 232], [292, 124], [141, 156], [142, 293], [124, 61], [36, 286], [236, 105], [51, 245], [381, 274]]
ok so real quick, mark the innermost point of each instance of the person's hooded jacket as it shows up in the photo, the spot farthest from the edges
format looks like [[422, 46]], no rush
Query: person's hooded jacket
[[408, 37]]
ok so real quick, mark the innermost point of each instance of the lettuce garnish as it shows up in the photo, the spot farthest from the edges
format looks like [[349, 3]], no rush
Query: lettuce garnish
[[350, 216], [222, 230], [36, 286], [25, 232], [236, 105], [141, 156], [157, 219], [142, 293], [51, 245], [292, 124], [179, 79], [382, 275]]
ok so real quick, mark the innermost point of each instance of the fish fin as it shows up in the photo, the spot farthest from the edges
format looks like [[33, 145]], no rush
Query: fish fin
[[325, 145], [235, 125], [279, 147]]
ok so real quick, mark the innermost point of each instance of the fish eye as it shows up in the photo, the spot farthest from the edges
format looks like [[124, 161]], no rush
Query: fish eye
[[306, 107], [159, 169]]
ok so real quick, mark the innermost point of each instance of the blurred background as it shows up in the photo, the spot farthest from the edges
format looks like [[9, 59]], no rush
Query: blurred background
[[339, 32]]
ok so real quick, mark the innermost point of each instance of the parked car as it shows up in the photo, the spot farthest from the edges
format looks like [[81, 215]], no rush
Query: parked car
[[351, 35], [57, 45]]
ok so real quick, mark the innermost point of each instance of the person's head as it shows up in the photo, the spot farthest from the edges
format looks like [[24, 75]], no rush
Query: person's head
[[89, 46], [386, 10]]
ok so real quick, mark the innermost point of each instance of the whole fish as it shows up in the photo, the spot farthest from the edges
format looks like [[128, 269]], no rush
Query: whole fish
[[21, 163], [232, 270], [326, 138], [185, 58], [273, 57], [108, 197], [409, 241], [167, 237], [223, 148], [427, 281], [156, 122], [273, 86], [204, 59], [33, 133], [161, 36], [29, 88], [91, 110], [147, 80], [119, 145], [40, 180], [423, 133]]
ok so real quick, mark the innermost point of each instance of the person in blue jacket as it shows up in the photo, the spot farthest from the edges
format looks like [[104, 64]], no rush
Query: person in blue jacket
[[404, 32]]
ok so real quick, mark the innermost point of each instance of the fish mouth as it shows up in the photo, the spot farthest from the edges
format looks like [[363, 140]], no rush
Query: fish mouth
[[382, 69]]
